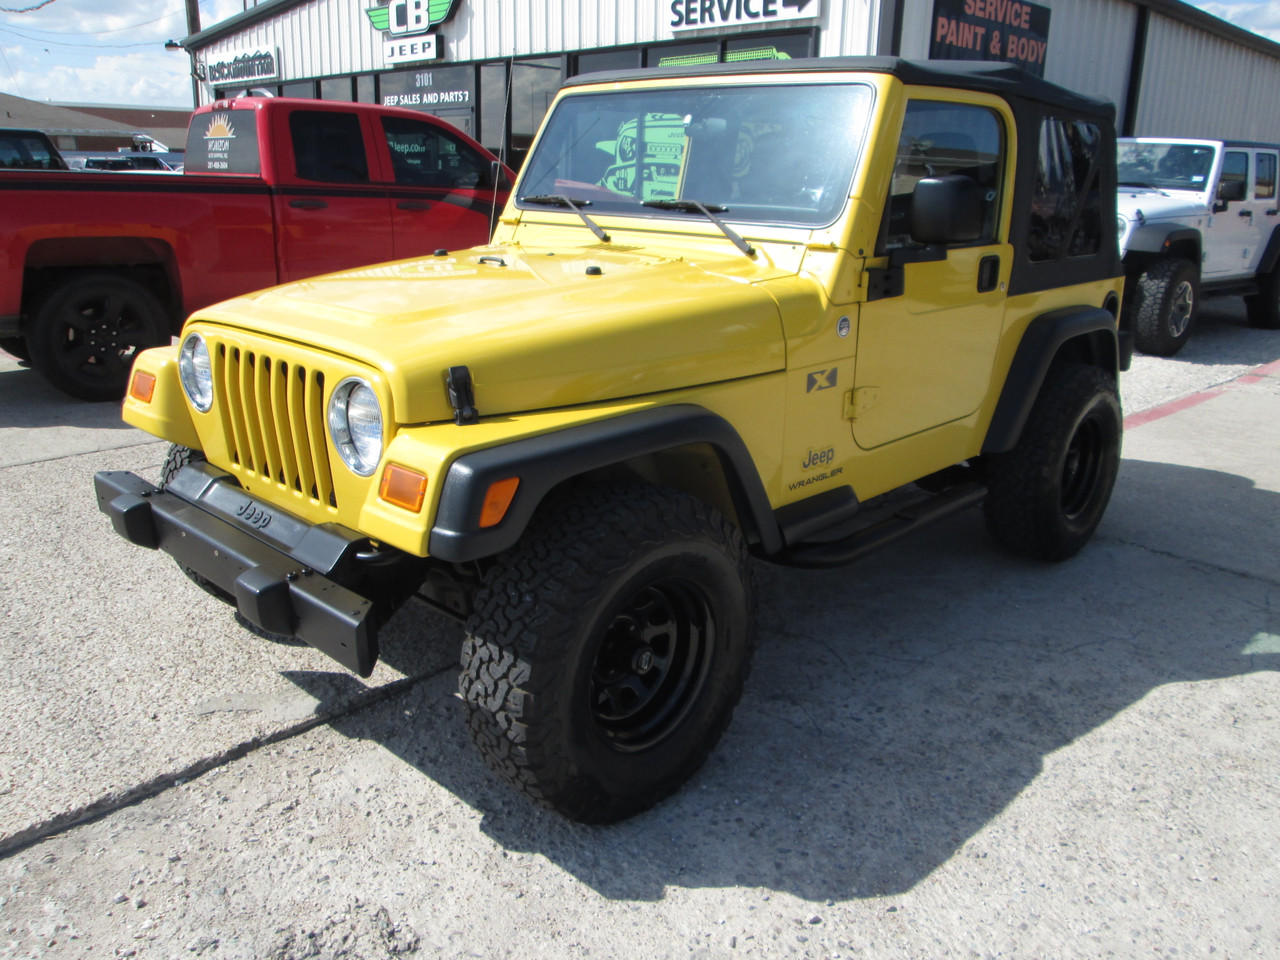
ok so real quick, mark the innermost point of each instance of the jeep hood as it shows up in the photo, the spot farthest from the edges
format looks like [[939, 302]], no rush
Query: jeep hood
[[538, 328], [1155, 204]]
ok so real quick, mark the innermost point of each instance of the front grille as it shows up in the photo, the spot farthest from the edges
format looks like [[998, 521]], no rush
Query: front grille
[[273, 419]]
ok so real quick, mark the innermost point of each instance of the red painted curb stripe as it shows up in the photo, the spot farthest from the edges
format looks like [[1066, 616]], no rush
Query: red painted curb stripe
[[1255, 375]]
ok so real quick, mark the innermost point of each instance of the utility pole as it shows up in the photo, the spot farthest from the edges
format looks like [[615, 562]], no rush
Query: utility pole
[[193, 27]]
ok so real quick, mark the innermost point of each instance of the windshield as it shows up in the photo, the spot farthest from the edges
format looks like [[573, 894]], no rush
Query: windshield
[[778, 153], [1168, 166]]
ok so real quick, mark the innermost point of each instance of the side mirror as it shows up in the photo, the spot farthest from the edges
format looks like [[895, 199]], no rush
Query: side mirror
[[946, 210], [1231, 190]]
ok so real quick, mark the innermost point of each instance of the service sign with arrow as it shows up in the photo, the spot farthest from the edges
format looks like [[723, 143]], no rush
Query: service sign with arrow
[[690, 14]]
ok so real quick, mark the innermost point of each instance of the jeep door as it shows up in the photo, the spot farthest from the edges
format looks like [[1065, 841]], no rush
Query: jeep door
[[1232, 234], [927, 336]]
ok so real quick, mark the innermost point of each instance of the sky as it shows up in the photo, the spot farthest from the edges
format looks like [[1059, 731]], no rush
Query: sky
[[100, 51], [108, 51]]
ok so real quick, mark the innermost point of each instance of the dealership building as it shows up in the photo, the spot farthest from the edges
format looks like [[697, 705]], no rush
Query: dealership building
[[491, 67]]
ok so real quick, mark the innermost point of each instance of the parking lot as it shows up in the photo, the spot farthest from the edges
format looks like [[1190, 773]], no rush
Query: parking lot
[[942, 751]]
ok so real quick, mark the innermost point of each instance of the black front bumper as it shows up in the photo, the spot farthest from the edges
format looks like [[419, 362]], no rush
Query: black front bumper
[[286, 575]]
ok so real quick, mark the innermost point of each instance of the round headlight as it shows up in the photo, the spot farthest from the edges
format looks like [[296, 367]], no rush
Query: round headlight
[[355, 425], [196, 372]]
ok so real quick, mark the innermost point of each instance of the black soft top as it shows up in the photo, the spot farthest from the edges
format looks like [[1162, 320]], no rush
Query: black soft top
[[1003, 79]]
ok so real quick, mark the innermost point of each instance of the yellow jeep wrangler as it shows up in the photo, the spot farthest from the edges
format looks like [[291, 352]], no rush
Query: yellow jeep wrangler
[[787, 311]]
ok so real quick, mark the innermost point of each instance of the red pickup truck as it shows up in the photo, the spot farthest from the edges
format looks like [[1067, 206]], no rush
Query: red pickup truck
[[95, 267]]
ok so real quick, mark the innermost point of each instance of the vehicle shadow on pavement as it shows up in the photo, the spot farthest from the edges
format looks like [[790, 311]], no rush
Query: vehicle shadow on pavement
[[30, 402], [1223, 335], [899, 706]]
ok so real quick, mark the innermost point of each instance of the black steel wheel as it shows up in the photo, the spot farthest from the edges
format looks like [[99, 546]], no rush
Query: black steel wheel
[[608, 649], [87, 330], [1046, 496], [651, 664]]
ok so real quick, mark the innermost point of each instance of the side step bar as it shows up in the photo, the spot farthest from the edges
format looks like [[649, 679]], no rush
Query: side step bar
[[904, 520]]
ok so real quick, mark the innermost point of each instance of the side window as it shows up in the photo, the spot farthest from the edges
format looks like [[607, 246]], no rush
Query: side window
[[941, 139], [423, 154], [1066, 207], [26, 153], [1265, 187], [1234, 183], [328, 146]]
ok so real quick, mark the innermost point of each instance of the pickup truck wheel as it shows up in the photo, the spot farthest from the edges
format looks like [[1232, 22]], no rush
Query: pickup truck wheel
[[1264, 307], [15, 347], [608, 649], [86, 332], [1164, 307], [1046, 496]]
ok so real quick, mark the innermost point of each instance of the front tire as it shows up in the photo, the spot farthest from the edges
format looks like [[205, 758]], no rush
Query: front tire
[[1165, 306], [86, 332], [1047, 495], [608, 649]]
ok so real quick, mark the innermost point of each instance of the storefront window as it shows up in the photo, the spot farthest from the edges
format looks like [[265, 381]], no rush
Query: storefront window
[[493, 105], [609, 60], [336, 88], [673, 54], [533, 86], [447, 92], [366, 91], [299, 88], [793, 45]]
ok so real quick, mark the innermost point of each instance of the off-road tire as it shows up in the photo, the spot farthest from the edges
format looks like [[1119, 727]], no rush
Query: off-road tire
[[1047, 495], [1164, 306], [85, 333], [608, 649], [1263, 308]]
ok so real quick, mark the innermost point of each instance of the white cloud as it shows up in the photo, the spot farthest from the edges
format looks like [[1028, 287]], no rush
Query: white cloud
[[1262, 18], [87, 51]]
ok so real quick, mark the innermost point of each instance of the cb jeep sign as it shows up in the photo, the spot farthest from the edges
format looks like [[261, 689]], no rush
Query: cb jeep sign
[[405, 22]]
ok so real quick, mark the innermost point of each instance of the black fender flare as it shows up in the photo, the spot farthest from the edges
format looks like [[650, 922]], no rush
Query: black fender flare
[[1160, 238], [1270, 254], [1094, 328], [546, 460]]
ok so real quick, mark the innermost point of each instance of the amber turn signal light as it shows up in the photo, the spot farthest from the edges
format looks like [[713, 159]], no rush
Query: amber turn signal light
[[143, 386], [497, 500], [403, 487]]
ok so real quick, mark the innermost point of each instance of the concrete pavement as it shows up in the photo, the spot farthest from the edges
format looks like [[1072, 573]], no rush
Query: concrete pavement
[[942, 751]]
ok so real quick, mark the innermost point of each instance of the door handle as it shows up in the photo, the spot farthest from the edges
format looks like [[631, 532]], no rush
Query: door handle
[[308, 204], [988, 273], [1272, 212], [413, 205], [1245, 213]]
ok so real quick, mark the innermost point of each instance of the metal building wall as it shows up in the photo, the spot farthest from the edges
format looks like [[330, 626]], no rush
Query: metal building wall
[[330, 37], [1090, 43], [1198, 85]]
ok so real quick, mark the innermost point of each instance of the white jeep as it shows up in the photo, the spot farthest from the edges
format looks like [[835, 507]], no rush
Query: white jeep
[[1196, 217]]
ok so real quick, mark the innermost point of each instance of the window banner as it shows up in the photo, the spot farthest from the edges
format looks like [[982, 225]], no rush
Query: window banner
[[1008, 30]]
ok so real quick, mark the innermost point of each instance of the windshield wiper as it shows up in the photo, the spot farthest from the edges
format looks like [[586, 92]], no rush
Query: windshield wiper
[[709, 211], [560, 200]]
